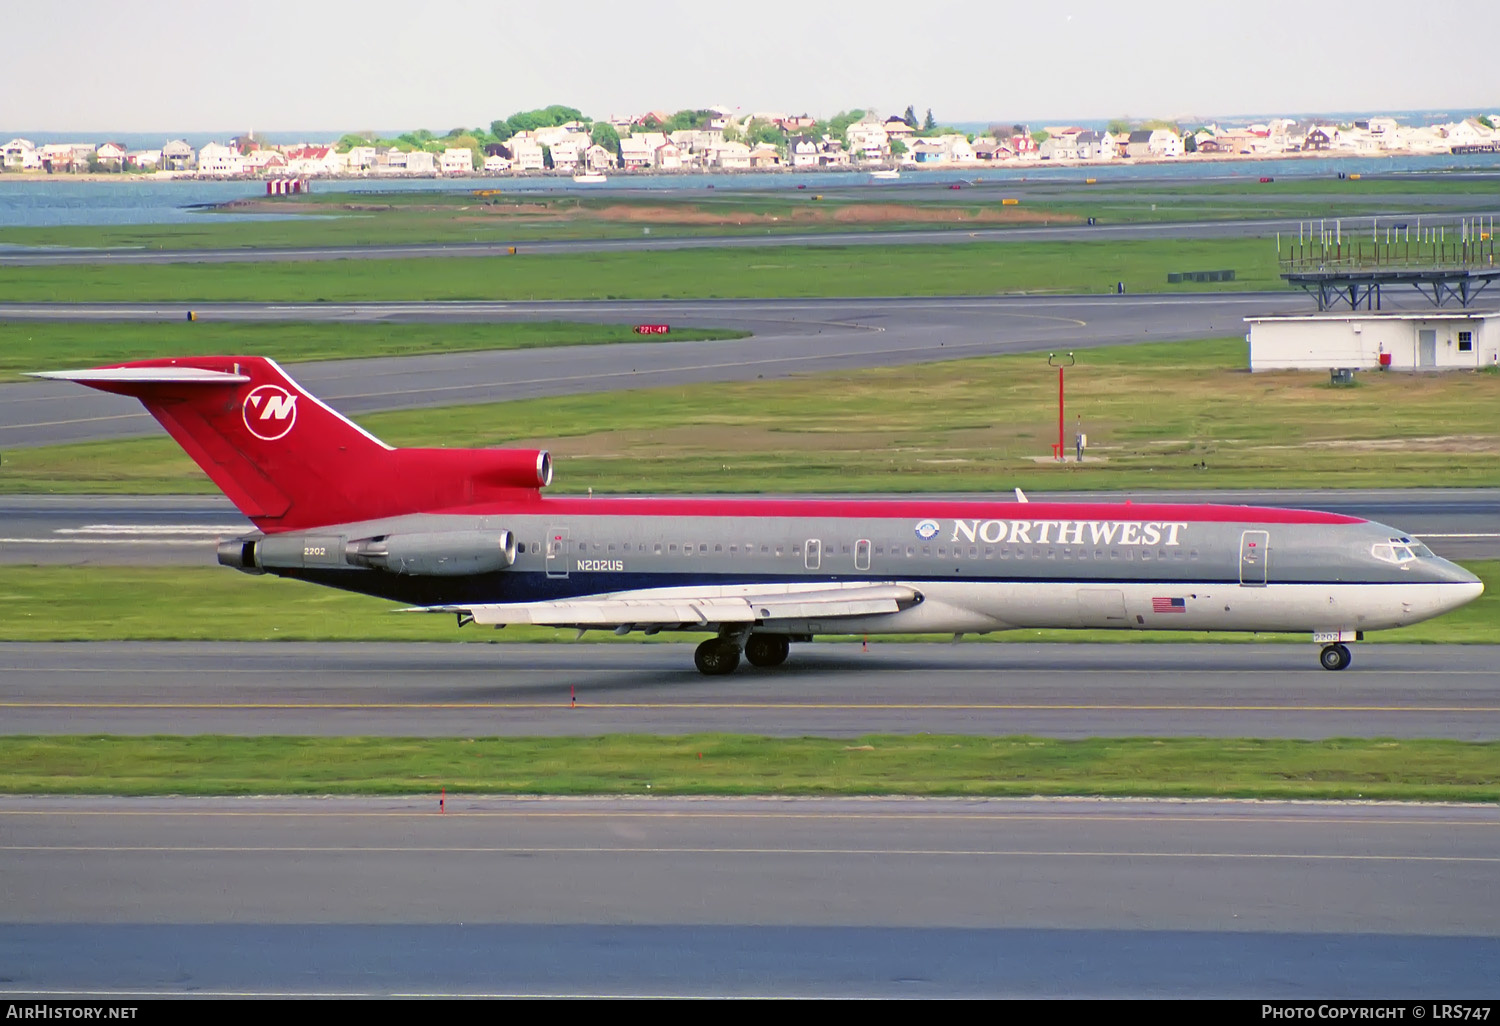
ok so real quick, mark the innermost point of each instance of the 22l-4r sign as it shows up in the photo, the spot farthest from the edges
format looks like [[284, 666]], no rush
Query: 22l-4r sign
[[652, 329]]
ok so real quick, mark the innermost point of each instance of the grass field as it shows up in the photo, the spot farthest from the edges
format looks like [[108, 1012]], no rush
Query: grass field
[[723, 764], [984, 424], [844, 203], [50, 345], [978, 268], [102, 603]]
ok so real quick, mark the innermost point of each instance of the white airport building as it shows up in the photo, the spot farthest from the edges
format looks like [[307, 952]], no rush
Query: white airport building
[[1435, 339]]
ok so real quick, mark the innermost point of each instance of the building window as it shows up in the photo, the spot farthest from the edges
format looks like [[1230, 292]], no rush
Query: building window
[[1465, 341]]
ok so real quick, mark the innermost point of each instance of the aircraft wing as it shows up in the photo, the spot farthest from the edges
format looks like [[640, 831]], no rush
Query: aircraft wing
[[697, 607]]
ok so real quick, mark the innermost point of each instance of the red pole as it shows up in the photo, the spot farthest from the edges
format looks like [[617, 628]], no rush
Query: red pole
[[1060, 449]]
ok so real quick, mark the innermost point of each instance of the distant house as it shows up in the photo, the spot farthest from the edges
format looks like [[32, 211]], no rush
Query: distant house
[[144, 160], [803, 150], [526, 154], [1138, 144], [360, 158], [568, 151], [217, 159], [765, 155], [177, 155], [19, 155], [869, 142], [897, 128], [495, 163], [457, 160], [636, 153], [315, 160], [421, 162], [732, 156], [1319, 138], [597, 158], [667, 156], [264, 162], [110, 156]]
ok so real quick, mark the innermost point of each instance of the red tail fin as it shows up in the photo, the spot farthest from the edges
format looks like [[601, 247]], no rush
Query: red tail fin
[[290, 462]]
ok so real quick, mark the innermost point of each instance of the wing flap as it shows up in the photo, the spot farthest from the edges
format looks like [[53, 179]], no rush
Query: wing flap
[[675, 607]]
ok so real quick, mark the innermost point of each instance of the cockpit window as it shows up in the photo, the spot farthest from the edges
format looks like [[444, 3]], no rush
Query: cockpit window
[[1422, 551], [1397, 550]]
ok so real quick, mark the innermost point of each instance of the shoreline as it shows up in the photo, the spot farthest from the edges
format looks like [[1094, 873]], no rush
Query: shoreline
[[976, 167]]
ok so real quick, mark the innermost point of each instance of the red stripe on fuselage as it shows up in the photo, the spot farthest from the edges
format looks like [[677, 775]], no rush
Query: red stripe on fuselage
[[911, 509]]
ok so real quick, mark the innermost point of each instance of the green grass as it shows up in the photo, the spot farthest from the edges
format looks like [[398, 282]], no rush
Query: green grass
[[984, 424], [50, 345], [104, 603], [722, 764], [331, 218], [977, 268]]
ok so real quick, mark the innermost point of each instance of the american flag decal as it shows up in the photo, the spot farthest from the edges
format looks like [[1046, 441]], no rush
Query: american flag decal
[[1168, 605]]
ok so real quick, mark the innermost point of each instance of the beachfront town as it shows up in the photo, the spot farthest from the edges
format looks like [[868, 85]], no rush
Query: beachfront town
[[560, 140]]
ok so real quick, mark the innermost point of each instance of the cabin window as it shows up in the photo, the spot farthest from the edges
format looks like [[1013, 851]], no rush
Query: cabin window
[[778, 550], [910, 551], [926, 550], [658, 548], [718, 548], [880, 550], [1145, 555], [611, 546], [766, 548], [521, 548], [1192, 554], [733, 549], [973, 552]]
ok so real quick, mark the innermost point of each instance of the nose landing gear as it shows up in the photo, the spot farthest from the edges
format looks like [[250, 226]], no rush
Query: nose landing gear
[[1335, 657]]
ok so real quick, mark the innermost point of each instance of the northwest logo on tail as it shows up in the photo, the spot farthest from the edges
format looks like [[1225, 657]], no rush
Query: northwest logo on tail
[[270, 411]]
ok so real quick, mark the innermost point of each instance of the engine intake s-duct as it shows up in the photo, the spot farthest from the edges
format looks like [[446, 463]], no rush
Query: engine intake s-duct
[[445, 554]]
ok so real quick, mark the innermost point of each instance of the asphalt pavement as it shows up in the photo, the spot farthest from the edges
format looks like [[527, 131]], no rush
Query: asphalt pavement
[[753, 897], [837, 689], [791, 336]]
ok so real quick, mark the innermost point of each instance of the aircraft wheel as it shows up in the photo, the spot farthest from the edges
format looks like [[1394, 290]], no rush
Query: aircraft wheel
[[767, 649], [1335, 657], [716, 657]]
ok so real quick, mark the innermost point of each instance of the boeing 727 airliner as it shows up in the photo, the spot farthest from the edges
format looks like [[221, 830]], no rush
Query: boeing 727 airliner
[[469, 532]]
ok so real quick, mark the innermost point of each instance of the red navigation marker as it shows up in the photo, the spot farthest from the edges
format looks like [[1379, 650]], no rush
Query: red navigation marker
[[652, 329]]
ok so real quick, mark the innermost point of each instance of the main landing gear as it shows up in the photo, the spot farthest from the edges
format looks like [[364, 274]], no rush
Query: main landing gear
[[1335, 657], [717, 657]]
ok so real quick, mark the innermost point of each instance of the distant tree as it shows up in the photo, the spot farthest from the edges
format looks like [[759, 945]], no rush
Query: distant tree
[[530, 120], [547, 157], [1486, 121], [350, 140], [758, 132], [897, 147], [1156, 123], [500, 130], [910, 117], [1041, 135], [929, 122], [1118, 126], [603, 134], [1190, 143]]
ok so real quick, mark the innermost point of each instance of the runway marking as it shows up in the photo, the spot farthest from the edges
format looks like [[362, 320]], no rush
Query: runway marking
[[589, 850], [738, 706], [78, 420]]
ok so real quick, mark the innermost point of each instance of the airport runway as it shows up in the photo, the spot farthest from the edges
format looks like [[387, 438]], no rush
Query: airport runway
[[182, 530], [796, 336], [755, 897], [1472, 206], [827, 689]]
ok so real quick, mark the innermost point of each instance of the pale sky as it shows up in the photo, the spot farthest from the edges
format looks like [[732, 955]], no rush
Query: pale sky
[[278, 65]]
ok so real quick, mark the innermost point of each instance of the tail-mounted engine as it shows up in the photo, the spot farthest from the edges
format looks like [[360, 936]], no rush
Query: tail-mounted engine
[[430, 554]]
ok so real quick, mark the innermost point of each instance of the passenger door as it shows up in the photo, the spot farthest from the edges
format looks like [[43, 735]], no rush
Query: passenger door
[[1255, 552]]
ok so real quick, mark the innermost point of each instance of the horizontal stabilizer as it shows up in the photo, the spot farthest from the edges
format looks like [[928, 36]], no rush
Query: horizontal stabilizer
[[147, 375]]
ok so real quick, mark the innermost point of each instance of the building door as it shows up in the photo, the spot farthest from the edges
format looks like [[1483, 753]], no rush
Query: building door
[[557, 552], [1427, 348], [862, 554], [1254, 554]]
